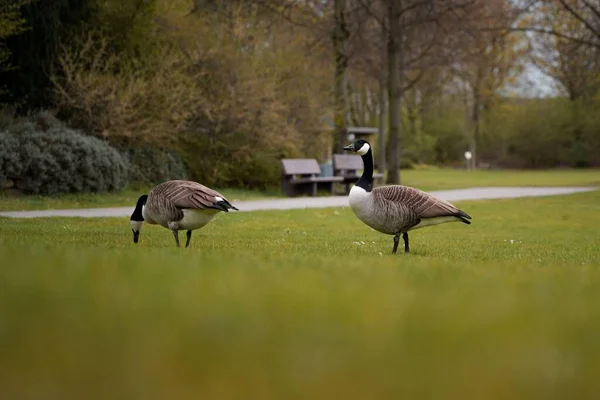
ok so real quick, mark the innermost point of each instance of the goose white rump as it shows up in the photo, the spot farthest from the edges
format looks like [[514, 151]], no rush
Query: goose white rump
[[196, 219]]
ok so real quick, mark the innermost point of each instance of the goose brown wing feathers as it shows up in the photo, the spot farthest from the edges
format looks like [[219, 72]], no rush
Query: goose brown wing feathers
[[188, 194], [423, 204]]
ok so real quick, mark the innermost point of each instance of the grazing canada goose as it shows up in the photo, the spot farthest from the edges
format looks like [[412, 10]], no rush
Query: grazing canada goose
[[396, 209], [178, 205]]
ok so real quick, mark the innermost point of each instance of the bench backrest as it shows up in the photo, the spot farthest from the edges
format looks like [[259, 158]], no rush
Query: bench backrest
[[345, 163], [300, 166]]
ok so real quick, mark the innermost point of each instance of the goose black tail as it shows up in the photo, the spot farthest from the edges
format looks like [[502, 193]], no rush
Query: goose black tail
[[463, 216], [224, 205]]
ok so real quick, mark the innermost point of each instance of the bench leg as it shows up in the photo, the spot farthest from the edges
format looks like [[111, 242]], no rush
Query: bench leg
[[314, 189], [286, 188]]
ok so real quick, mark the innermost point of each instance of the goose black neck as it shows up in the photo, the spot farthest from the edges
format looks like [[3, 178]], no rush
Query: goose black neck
[[137, 213], [366, 180]]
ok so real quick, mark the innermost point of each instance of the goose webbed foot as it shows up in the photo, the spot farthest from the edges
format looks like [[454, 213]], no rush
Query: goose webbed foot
[[176, 235], [406, 246], [189, 236]]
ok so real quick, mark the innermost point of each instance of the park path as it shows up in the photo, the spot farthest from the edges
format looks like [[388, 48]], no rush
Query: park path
[[484, 193]]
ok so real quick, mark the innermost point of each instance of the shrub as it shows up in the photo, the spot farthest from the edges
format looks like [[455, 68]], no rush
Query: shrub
[[10, 162], [541, 133], [229, 107], [229, 163], [450, 138], [56, 159], [151, 166]]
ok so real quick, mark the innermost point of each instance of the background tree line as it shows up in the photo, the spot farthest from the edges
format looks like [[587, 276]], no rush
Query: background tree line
[[220, 91]]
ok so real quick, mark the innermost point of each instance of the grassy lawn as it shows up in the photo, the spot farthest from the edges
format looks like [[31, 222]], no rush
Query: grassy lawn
[[128, 197], [426, 179], [445, 178], [306, 304]]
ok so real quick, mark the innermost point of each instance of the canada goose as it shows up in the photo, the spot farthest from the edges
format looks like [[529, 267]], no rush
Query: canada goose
[[178, 205], [396, 209]]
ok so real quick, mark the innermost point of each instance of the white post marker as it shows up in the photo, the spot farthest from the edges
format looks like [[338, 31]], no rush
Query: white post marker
[[468, 156]]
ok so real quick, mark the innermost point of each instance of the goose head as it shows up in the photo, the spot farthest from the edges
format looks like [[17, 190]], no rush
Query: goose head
[[359, 146], [137, 218]]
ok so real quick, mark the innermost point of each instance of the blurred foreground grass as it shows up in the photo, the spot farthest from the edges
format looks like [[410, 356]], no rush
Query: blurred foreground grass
[[430, 178], [292, 304]]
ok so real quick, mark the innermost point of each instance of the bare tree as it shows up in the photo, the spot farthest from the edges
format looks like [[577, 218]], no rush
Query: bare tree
[[587, 12], [576, 66], [340, 37], [418, 36], [490, 59]]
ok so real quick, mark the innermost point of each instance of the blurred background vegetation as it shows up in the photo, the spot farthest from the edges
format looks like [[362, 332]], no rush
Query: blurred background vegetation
[[220, 91]]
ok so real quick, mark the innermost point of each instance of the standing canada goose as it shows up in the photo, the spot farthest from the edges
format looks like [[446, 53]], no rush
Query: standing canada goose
[[396, 209], [178, 205]]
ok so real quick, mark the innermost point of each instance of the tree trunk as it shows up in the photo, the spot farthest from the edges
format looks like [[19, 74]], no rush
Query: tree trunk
[[475, 125], [382, 106], [394, 94], [340, 37], [412, 113], [381, 163]]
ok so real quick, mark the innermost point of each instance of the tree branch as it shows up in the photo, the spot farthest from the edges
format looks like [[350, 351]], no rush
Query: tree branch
[[578, 17], [544, 31], [595, 10], [414, 81]]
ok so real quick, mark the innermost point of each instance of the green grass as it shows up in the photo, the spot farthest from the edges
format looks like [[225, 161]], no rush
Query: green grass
[[427, 179], [445, 178], [127, 197], [292, 304]]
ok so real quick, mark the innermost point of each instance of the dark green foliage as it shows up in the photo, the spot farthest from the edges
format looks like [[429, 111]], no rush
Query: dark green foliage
[[11, 24], [47, 24], [51, 158], [235, 164], [10, 162], [443, 141], [50, 25], [152, 165], [544, 133]]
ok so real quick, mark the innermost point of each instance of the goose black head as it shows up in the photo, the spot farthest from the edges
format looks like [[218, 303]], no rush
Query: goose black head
[[359, 146], [137, 218]]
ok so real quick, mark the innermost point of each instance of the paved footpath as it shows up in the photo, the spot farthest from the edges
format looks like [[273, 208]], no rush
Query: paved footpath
[[485, 193]]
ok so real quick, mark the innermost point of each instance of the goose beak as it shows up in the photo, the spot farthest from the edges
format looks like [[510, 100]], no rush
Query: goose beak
[[350, 147], [136, 236]]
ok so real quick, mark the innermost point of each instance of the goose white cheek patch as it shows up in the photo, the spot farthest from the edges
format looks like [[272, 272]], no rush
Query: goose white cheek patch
[[364, 149], [136, 225]]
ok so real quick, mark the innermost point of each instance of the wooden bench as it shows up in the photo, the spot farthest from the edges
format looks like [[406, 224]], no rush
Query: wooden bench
[[347, 167], [303, 176]]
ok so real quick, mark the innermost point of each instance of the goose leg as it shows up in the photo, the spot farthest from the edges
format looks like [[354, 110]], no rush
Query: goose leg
[[396, 241], [189, 236], [176, 235], [405, 237]]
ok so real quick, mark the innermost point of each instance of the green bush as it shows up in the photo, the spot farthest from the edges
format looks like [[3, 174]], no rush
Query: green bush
[[420, 149], [151, 166], [10, 162], [227, 163], [52, 158], [542, 133], [448, 138]]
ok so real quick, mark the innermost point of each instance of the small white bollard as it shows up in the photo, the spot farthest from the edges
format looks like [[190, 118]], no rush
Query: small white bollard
[[468, 156]]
